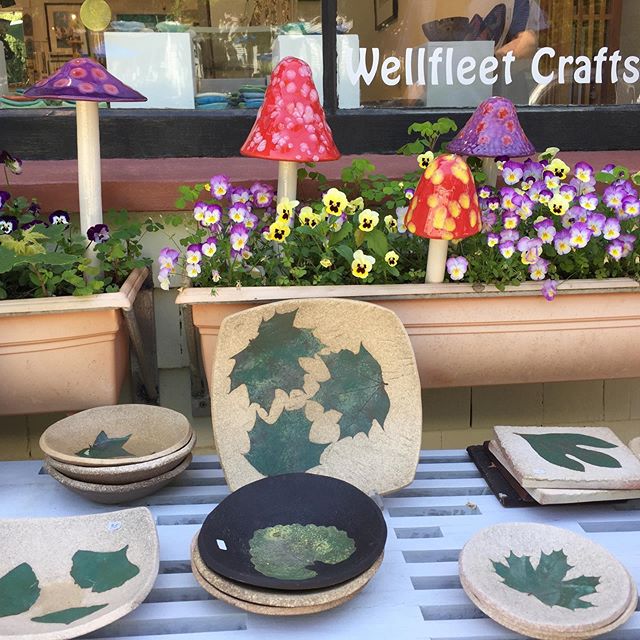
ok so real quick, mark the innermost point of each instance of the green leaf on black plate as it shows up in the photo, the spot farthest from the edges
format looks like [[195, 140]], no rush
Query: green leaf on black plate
[[271, 360], [106, 447], [67, 616], [546, 582], [102, 571], [556, 447], [284, 446], [288, 551], [356, 389], [19, 590]]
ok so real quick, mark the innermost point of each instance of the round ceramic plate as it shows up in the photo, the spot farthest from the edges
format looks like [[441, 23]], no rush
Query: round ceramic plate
[[118, 493], [65, 577], [544, 581], [124, 473], [277, 597], [116, 435], [294, 531]]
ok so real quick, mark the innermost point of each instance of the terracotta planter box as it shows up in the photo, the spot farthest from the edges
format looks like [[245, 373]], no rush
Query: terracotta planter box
[[65, 354], [464, 337]]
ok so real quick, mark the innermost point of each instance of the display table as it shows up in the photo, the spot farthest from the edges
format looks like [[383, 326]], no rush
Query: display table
[[415, 595]]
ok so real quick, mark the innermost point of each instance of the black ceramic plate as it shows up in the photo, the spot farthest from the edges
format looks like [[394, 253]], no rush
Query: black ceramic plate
[[292, 532]]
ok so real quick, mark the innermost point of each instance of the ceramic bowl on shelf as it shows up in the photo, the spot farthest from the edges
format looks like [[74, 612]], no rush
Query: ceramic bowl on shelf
[[66, 577]]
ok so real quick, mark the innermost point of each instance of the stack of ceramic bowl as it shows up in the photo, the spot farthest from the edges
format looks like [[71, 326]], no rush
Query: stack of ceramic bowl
[[291, 544], [558, 465], [118, 453], [546, 582]]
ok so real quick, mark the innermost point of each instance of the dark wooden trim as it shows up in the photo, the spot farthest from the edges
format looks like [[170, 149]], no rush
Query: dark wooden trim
[[51, 134], [330, 55]]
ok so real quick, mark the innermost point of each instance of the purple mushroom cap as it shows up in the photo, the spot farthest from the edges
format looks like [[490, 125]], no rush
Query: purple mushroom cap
[[84, 79], [493, 130]]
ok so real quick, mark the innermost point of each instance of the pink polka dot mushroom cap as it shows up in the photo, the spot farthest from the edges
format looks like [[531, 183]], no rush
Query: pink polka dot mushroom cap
[[291, 124], [84, 79], [493, 130]]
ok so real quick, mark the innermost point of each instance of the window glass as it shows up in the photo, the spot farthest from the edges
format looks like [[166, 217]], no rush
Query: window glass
[[204, 54], [455, 53]]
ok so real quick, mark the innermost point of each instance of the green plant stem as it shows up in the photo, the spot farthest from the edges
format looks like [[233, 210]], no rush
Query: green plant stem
[[43, 286]]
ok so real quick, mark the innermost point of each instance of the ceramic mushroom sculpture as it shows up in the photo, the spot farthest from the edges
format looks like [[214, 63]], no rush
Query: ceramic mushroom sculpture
[[492, 131], [86, 82], [291, 126], [444, 207]]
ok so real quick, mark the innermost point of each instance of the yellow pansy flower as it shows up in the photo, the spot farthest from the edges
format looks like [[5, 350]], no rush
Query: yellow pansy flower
[[425, 159], [335, 201], [355, 205], [308, 217], [558, 168], [391, 222], [286, 209], [362, 264], [391, 258], [368, 220], [326, 263], [279, 231], [558, 205]]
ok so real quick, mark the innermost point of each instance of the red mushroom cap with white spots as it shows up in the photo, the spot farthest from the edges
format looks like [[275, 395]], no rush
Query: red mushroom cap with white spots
[[84, 79], [291, 124], [445, 204]]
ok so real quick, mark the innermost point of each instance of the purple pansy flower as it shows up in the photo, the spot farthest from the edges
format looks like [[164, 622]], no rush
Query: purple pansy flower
[[507, 249], [583, 171], [595, 222], [212, 215], [493, 203], [485, 191], [608, 168], [238, 212], [457, 267], [630, 207], [538, 270], [263, 195], [13, 164], [536, 188], [549, 289], [613, 196], [545, 229], [219, 186], [59, 217], [615, 249], [489, 218], [34, 208], [568, 192], [509, 235], [589, 201], [163, 279], [199, 210], [562, 242], [500, 161], [512, 172], [611, 229], [493, 239], [510, 220], [545, 196], [5, 196], [530, 250], [409, 192], [167, 259], [210, 246], [525, 207], [580, 234], [98, 233], [239, 235], [240, 194], [251, 220], [532, 169], [508, 195], [628, 240]]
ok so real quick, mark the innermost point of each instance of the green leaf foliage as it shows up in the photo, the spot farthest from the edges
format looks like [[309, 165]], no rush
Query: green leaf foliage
[[284, 446], [19, 590], [102, 571], [557, 447], [289, 551], [106, 447], [546, 582], [67, 616], [271, 360], [355, 389]]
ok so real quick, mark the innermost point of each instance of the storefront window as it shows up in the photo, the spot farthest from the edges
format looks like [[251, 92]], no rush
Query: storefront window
[[218, 54], [455, 53]]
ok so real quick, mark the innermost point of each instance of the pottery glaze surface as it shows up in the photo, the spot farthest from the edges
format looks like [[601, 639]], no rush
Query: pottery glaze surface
[[65, 577]]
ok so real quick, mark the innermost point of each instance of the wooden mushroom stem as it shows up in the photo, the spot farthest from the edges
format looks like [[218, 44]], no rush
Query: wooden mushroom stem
[[287, 180], [490, 169], [436, 260], [89, 176]]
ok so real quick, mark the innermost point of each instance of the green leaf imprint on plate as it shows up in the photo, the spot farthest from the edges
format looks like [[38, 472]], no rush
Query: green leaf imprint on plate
[[556, 447], [284, 446], [356, 389], [270, 360], [546, 582], [19, 590], [102, 571], [67, 616], [106, 447], [286, 551]]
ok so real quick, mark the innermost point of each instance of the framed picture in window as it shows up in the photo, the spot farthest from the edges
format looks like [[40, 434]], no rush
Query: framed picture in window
[[66, 33], [386, 12]]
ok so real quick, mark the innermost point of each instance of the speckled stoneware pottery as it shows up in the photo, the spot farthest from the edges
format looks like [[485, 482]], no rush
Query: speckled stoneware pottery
[[565, 496], [125, 473], [545, 582], [84, 79], [568, 457], [266, 610], [116, 435], [321, 386], [493, 130], [118, 493], [293, 532], [65, 577], [278, 598]]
